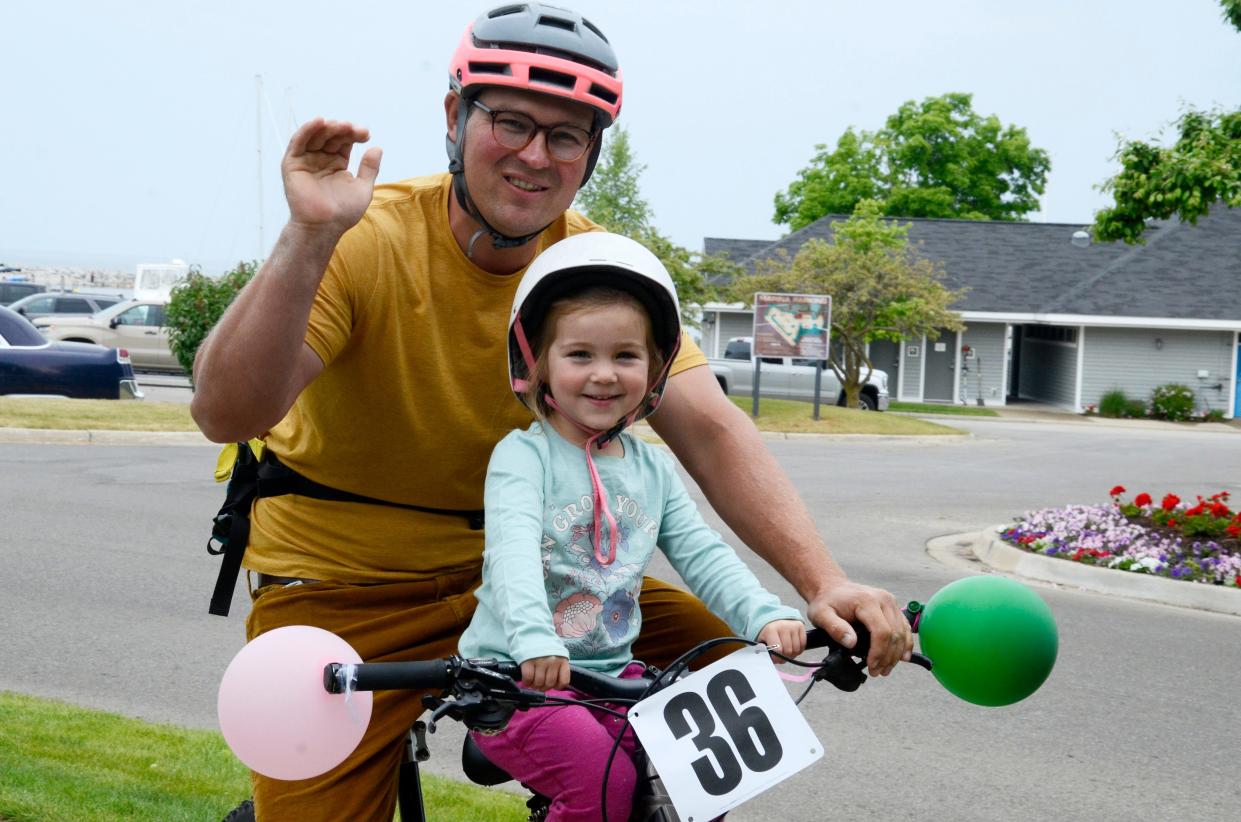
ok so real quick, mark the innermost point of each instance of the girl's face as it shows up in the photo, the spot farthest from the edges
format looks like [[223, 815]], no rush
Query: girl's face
[[598, 366]]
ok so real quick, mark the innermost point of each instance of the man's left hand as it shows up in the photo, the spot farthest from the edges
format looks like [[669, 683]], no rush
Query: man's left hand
[[891, 639]]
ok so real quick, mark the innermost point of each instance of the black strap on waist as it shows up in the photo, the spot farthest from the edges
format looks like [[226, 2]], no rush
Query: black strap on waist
[[252, 479]]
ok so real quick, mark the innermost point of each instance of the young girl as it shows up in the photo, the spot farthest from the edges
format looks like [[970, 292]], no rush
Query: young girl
[[575, 508]]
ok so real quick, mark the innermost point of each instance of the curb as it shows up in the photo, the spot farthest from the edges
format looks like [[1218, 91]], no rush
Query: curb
[[1001, 556], [93, 437]]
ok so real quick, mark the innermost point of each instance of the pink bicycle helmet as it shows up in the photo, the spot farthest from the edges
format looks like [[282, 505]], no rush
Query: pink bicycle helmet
[[538, 48]]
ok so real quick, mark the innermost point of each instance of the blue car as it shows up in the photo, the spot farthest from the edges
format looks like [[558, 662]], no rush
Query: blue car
[[29, 364]]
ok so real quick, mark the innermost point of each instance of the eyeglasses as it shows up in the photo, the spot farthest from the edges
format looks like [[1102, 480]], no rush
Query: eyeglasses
[[515, 131]]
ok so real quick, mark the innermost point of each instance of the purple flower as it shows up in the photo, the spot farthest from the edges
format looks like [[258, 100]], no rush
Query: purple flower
[[617, 611]]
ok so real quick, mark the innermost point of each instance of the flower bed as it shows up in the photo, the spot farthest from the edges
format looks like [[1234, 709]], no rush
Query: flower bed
[[1196, 543]]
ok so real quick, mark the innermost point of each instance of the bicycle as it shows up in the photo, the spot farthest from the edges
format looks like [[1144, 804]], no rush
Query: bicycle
[[1016, 638]]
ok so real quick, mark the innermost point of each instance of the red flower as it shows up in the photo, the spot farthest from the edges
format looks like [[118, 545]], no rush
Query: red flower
[[1238, 580], [1117, 491], [1142, 500], [1234, 531], [1197, 510], [1218, 509], [1171, 522], [1171, 501]]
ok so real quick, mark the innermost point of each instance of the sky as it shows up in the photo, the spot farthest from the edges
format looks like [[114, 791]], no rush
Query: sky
[[136, 132]]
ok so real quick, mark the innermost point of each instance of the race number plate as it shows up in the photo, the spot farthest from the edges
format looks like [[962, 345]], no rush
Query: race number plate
[[724, 734]]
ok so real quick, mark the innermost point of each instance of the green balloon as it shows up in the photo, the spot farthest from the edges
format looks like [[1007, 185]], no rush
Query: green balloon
[[992, 640]]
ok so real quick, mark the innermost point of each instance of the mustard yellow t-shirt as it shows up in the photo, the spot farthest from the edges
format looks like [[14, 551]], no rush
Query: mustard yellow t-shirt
[[413, 398]]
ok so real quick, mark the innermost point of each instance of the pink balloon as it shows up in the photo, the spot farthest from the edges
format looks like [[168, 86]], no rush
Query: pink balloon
[[274, 712]]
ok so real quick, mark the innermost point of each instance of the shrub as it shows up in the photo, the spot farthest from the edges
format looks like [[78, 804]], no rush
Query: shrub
[[1135, 409], [1173, 402], [1114, 404], [197, 304]]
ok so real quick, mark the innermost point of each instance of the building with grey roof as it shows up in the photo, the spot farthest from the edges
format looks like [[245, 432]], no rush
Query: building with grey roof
[[1050, 319]]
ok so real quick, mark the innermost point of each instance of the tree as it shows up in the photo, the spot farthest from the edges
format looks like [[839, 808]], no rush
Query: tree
[[1202, 168], [196, 305], [937, 158], [613, 199], [880, 289]]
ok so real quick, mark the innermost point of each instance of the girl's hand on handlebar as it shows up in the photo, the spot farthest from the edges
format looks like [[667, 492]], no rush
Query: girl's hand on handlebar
[[545, 673], [891, 639], [788, 636]]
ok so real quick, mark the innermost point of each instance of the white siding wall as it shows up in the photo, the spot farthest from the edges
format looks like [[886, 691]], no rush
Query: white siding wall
[[989, 342], [1127, 358], [728, 324], [1049, 371]]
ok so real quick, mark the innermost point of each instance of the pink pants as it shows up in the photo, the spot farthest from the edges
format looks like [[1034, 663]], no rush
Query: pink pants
[[561, 752]]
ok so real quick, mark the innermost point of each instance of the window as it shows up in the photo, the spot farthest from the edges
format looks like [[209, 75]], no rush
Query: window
[[1052, 333], [73, 305], [138, 315], [42, 305]]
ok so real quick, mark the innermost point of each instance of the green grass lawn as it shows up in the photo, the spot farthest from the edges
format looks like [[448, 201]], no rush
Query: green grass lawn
[[61, 762], [785, 416], [96, 415], [941, 408], [795, 417]]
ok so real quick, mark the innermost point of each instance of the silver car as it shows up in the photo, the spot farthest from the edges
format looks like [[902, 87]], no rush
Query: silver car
[[51, 302], [136, 325]]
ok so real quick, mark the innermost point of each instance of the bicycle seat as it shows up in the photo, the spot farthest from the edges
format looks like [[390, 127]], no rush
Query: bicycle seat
[[478, 768]]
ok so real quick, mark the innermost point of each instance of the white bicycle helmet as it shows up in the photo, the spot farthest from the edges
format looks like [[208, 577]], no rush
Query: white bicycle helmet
[[567, 268], [576, 263]]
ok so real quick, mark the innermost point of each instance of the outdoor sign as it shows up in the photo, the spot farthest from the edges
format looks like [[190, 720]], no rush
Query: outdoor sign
[[724, 734], [792, 325]]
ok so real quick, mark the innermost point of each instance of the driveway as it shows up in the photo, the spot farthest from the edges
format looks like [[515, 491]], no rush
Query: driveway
[[104, 595]]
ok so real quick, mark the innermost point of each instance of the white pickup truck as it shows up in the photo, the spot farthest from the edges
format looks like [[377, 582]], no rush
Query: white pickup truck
[[789, 378]]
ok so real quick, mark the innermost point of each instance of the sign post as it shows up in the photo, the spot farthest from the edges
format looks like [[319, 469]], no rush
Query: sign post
[[792, 325]]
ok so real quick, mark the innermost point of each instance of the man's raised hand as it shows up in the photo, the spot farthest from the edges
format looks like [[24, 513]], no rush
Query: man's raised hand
[[321, 192]]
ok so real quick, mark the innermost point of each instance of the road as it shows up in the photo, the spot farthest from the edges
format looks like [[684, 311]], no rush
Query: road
[[104, 593], [164, 387]]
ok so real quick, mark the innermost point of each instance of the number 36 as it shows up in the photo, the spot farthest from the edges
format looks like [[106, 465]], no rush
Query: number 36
[[743, 727]]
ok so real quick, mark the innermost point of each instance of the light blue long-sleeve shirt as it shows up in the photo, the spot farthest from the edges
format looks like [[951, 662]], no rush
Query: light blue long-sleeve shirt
[[545, 594]]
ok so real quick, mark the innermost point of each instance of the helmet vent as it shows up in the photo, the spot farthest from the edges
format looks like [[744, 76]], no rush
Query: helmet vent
[[505, 10], [551, 78], [491, 68], [602, 93], [557, 22], [595, 29]]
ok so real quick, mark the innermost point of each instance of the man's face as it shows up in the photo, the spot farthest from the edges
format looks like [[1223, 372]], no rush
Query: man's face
[[521, 191]]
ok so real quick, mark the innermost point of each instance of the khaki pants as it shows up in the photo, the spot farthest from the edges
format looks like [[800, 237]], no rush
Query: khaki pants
[[418, 621]]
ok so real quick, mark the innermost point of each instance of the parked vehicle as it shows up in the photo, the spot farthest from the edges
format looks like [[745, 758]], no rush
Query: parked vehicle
[[55, 302], [137, 325], [790, 378], [13, 291], [29, 364]]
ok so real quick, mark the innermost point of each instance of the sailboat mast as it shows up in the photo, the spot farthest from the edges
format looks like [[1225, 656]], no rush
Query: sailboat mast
[[258, 127]]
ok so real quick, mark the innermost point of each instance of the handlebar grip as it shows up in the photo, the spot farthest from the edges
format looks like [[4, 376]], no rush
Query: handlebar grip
[[818, 638], [606, 687], [387, 676]]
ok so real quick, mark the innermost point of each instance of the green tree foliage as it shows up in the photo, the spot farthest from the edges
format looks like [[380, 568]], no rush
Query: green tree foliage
[[197, 304], [613, 199], [880, 289], [1232, 12], [937, 158], [1201, 168]]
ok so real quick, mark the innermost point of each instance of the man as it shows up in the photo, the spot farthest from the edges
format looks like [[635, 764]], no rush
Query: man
[[369, 353]]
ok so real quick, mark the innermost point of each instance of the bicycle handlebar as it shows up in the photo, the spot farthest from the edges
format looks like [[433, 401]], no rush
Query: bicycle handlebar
[[503, 675]]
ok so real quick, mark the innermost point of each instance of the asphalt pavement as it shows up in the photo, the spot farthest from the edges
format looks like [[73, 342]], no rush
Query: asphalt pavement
[[103, 603]]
